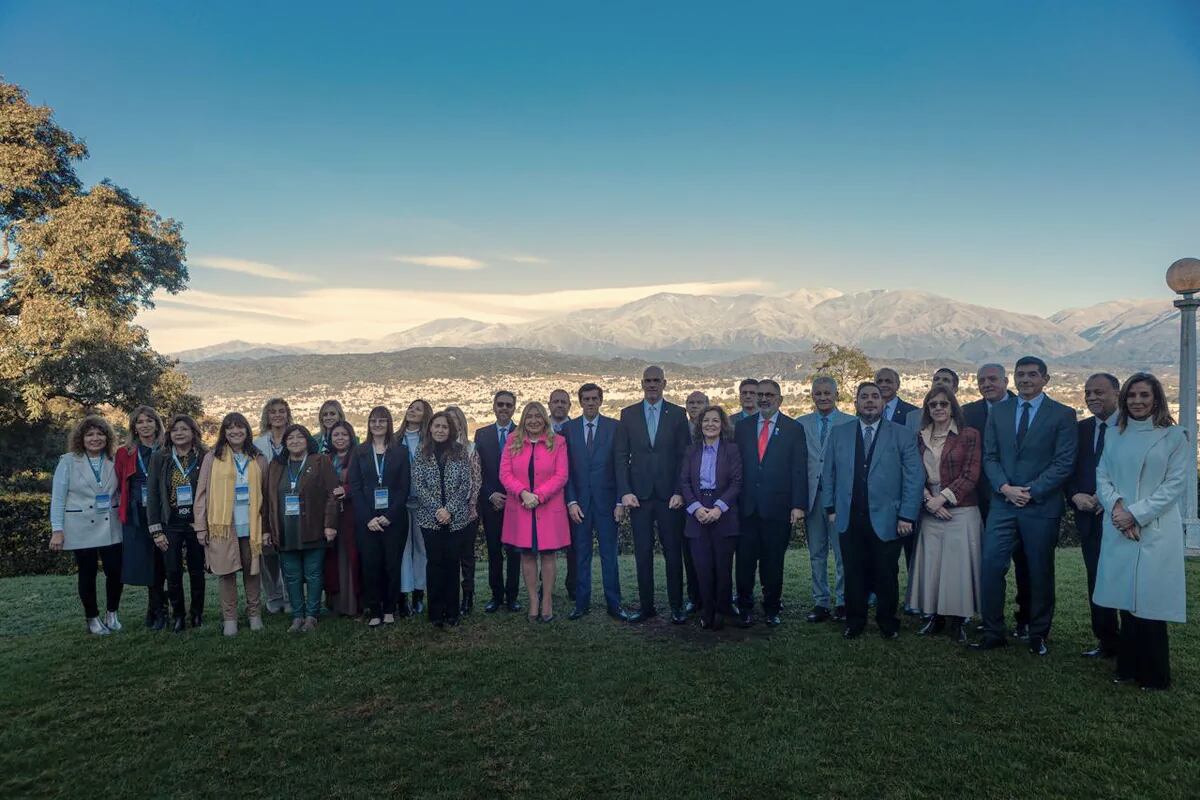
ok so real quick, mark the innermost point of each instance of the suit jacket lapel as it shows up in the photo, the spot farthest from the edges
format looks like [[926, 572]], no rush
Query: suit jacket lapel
[[880, 429], [1035, 423]]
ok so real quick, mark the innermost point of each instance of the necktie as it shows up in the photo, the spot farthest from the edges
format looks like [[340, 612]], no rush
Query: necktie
[[868, 439], [588, 439], [503, 437], [763, 436], [1100, 438], [1023, 425], [652, 423], [824, 429]]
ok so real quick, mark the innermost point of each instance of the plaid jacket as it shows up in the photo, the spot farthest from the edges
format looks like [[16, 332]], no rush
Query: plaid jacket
[[960, 465]]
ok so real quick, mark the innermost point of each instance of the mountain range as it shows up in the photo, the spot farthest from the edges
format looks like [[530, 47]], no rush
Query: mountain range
[[702, 329]]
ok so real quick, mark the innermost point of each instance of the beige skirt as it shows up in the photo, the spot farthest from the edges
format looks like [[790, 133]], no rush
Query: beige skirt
[[946, 564]]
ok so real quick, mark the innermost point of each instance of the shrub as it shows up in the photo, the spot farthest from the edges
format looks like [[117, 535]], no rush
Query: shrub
[[25, 537]]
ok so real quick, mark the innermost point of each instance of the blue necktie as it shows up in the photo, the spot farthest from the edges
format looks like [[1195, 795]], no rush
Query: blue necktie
[[1023, 424], [824, 429], [503, 437], [651, 423]]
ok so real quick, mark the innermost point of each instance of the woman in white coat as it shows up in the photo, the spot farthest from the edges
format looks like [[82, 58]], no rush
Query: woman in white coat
[[1139, 481]]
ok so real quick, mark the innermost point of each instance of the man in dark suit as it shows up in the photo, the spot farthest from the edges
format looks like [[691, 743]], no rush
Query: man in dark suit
[[992, 380], [1100, 393], [895, 408], [559, 406], [651, 440], [592, 502], [489, 440], [774, 495], [1028, 454], [871, 489], [748, 399]]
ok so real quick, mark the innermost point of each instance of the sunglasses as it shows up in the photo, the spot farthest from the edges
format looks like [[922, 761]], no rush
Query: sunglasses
[[939, 404]]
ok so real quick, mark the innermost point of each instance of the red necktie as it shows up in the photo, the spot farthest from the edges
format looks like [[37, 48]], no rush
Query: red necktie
[[763, 436]]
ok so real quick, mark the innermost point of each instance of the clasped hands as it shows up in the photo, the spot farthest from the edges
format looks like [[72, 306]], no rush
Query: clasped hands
[[1125, 522], [1017, 495], [936, 504], [707, 516], [377, 524], [529, 500]]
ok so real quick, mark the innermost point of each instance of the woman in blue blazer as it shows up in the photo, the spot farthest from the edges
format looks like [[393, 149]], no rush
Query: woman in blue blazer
[[710, 481]]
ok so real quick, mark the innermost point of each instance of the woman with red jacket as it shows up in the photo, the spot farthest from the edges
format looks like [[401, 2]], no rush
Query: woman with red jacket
[[141, 562]]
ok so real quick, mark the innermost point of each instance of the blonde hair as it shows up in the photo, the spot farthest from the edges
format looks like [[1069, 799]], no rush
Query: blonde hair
[[144, 411], [264, 424], [517, 438], [89, 423], [336, 406]]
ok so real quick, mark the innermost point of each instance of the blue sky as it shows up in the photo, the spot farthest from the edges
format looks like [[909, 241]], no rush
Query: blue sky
[[336, 166]]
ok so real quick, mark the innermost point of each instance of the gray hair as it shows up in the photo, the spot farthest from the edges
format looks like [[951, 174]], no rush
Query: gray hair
[[1003, 372], [825, 379]]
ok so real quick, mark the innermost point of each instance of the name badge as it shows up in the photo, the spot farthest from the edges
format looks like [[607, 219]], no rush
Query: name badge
[[291, 505], [145, 495], [241, 495], [183, 496], [381, 499], [103, 501]]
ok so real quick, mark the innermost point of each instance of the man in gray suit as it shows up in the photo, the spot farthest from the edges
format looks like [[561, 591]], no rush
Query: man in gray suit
[[1029, 445], [871, 491], [817, 426]]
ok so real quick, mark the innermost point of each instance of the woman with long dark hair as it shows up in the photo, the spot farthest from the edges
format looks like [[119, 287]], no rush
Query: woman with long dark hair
[[174, 475], [414, 558], [445, 481], [379, 485], [141, 562], [228, 524], [343, 579], [1139, 481]]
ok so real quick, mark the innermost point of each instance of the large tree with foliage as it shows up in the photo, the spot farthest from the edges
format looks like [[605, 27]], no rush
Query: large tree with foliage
[[78, 264], [846, 364]]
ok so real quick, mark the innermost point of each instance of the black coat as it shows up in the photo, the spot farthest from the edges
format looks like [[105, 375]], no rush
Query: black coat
[[651, 472], [364, 479], [773, 487], [487, 447]]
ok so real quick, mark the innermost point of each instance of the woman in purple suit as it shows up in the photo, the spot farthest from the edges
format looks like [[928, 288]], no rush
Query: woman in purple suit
[[709, 481]]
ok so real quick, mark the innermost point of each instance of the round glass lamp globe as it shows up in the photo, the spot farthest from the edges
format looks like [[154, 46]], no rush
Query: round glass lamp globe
[[1184, 276]]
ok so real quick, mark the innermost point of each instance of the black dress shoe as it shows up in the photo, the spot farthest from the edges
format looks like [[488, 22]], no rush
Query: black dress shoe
[[839, 613], [705, 625], [1021, 632], [197, 620], [934, 625], [889, 636], [514, 605], [180, 625], [1099, 652], [642, 616], [851, 633], [989, 643], [418, 602], [818, 614], [577, 613], [689, 607], [745, 619], [492, 606], [774, 620], [160, 621], [619, 614], [678, 617], [1037, 646]]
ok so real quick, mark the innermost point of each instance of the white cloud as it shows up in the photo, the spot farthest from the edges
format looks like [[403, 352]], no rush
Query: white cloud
[[526, 259], [246, 267], [195, 318], [443, 262]]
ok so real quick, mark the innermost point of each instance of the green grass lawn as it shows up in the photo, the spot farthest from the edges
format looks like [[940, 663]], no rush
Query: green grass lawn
[[501, 708]]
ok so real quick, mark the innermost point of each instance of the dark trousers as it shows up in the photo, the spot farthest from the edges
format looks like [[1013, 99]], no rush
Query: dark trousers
[[381, 555], [908, 545], [1104, 620], [443, 549], [572, 579], [502, 578], [1038, 535], [644, 520], [466, 557], [601, 522], [692, 577], [1143, 653], [156, 602], [761, 547], [713, 557], [88, 562], [181, 544], [871, 564], [1021, 576]]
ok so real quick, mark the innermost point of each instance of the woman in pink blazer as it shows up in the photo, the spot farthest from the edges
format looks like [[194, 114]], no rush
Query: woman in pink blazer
[[533, 470]]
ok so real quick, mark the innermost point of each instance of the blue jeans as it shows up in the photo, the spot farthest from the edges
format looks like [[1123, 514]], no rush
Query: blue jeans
[[820, 539], [601, 521], [300, 567]]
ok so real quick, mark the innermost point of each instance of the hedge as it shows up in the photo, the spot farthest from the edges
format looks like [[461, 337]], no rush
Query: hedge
[[25, 535]]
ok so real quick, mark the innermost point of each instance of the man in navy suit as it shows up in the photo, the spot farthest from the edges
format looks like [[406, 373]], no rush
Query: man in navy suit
[[748, 399], [1028, 454], [1100, 393], [992, 380], [774, 495], [488, 442], [592, 502], [871, 491], [895, 408], [651, 440]]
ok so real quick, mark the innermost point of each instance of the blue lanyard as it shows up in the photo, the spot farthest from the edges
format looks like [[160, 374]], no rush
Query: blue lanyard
[[380, 460], [97, 471], [293, 477], [142, 464], [241, 463], [185, 473], [275, 451]]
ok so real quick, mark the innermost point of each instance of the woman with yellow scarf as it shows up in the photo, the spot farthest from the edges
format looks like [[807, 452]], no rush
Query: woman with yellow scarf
[[228, 516]]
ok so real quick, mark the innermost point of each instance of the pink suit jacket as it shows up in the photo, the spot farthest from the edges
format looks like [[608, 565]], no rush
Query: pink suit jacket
[[549, 480]]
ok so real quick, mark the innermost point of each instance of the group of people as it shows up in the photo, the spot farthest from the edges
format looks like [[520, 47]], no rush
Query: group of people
[[386, 527]]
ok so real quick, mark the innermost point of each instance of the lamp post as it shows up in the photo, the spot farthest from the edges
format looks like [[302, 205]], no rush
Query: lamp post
[[1184, 279]]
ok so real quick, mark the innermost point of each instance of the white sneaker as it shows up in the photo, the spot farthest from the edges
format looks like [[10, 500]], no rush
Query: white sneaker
[[297, 626], [230, 627], [111, 622], [256, 623], [96, 627]]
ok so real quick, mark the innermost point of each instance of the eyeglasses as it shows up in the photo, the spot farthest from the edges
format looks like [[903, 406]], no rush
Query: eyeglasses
[[505, 405], [939, 404]]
